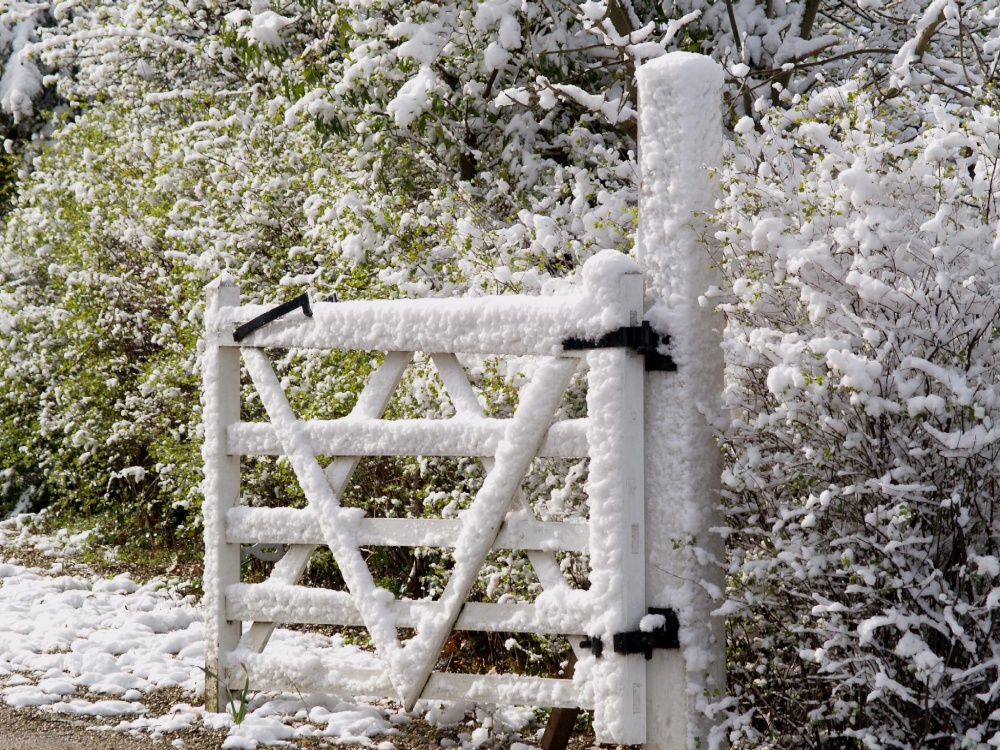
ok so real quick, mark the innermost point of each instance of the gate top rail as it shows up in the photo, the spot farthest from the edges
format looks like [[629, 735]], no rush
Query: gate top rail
[[517, 325]]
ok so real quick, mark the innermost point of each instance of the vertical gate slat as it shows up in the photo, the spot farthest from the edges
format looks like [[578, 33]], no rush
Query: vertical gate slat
[[221, 376]]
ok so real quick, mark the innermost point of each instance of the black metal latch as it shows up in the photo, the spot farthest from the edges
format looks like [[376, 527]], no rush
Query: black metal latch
[[272, 315], [642, 642], [642, 338]]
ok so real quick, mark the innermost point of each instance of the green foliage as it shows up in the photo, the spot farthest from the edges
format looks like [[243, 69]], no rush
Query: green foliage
[[104, 273], [8, 181], [239, 702], [294, 162]]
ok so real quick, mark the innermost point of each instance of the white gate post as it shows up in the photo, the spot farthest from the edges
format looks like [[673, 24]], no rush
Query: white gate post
[[680, 141], [221, 389]]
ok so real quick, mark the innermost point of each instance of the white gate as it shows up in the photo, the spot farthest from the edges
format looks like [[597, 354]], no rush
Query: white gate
[[680, 143], [561, 332]]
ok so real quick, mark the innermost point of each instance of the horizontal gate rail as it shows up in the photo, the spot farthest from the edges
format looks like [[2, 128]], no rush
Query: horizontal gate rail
[[329, 677], [406, 437], [255, 601], [476, 325], [299, 526]]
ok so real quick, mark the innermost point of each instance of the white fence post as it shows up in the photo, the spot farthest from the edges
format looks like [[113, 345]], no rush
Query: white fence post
[[221, 389], [680, 141]]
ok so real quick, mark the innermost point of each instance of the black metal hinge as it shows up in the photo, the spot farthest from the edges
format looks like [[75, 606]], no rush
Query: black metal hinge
[[272, 315], [642, 338], [642, 642], [595, 645]]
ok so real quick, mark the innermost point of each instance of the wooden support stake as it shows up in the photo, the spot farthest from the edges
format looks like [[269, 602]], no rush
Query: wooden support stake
[[680, 144], [559, 730]]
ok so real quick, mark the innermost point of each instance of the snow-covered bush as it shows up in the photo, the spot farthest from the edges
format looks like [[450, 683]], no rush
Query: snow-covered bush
[[863, 269], [362, 151], [25, 100]]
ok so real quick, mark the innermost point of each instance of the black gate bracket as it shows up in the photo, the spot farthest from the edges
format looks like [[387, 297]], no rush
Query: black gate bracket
[[642, 338], [595, 645], [272, 315], [641, 642]]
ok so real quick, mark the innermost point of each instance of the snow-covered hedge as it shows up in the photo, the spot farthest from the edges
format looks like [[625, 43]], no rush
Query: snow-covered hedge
[[863, 269], [314, 150]]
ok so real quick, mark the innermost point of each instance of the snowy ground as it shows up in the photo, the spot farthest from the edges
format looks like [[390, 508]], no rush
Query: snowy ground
[[75, 643]]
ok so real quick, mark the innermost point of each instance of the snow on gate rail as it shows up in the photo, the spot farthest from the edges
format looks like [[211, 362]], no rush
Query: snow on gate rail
[[611, 436]]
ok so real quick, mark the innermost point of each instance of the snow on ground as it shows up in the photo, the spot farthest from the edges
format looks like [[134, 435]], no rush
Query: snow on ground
[[86, 645]]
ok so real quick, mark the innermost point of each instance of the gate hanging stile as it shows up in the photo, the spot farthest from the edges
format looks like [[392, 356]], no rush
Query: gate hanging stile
[[601, 324]]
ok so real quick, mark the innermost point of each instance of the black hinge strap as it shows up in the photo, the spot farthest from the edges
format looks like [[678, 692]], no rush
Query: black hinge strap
[[642, 338], [272, 315], [642, 642]]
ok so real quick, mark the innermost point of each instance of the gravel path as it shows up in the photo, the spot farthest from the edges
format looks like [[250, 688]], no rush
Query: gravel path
[[31, 729]]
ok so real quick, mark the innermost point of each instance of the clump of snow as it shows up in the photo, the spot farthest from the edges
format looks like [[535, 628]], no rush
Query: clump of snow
[[264, 28], [21, 81], [413, 98], [650, 623]]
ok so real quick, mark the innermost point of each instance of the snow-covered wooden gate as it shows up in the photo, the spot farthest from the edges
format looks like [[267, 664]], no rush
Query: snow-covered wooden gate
[[601, 325], [619, 627]]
